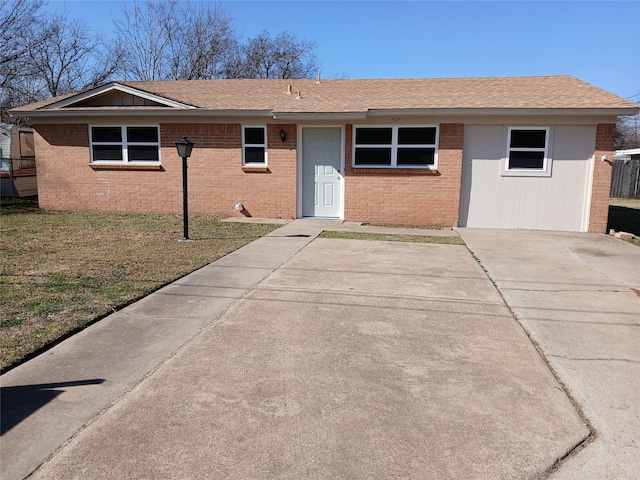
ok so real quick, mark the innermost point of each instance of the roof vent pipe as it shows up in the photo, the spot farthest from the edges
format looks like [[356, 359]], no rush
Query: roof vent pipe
[[298, 97], [289, 89], [318, 81]]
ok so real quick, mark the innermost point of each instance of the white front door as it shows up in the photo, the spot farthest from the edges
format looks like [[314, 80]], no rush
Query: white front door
[[321, 177]]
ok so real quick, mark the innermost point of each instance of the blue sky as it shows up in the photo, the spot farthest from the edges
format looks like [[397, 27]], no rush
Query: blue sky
[[597, 42]]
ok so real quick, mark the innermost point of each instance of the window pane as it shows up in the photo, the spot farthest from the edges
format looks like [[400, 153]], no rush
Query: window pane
[[107, 152], [373, 156], [528, 160], [142, 134], [254, 136], [528, 138], [106, 134], [416, 156], [373, 136], [417, 136], [142, 154], [26, 144], [254, 155]]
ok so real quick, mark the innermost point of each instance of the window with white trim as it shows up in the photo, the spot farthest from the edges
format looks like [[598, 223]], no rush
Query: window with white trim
[[125, 144], [254, 145], [527, 149], [395, 147]]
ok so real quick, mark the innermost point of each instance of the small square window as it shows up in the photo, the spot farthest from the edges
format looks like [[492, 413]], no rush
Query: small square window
[[527, 151], [254, 145]]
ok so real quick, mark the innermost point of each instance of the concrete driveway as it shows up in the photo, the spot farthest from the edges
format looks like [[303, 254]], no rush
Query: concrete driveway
[[578, 295], [354, 359]]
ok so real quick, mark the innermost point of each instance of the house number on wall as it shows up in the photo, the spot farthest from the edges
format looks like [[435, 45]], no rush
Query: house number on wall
[[395, 119]]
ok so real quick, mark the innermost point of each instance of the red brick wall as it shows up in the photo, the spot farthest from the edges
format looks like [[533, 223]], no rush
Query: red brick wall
[[405, 196], [599, 214], [216, 179]]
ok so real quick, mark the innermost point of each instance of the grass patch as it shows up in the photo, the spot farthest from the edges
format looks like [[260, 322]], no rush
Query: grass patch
[[624, 216], [387, 237], [60, 271]]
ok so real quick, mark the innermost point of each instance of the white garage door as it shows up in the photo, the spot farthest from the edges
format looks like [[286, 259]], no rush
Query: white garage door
[[558, 201]]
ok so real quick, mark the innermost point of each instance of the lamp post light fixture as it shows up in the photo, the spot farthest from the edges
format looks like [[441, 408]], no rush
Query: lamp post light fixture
[[184, 147]]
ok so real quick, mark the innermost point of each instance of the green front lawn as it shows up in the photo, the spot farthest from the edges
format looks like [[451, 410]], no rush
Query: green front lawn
[[61, 271]]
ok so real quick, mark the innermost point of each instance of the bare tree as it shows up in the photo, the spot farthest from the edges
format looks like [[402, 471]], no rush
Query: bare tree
[[202, 52], [46, 57], [628, 133], [143, 33], [628, 129], [171, 40], [72, 59], [284, 56], [20, 22]]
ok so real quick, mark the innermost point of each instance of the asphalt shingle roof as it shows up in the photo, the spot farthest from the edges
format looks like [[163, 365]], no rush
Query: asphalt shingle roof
[[335, 96]]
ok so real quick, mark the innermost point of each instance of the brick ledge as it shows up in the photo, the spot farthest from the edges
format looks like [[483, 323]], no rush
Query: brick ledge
[[95, 166], [394, 171], [256, 169]]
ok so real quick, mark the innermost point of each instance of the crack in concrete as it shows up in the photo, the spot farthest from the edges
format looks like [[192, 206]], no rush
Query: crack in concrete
[[557, 290], [626, 360]]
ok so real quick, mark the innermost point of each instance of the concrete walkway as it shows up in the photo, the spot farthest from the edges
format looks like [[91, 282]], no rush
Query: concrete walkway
[[48, 399], [297, 357], [579, 297]]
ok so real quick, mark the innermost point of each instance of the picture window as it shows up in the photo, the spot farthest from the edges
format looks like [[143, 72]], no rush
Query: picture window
[[139, 144], [395, 147]]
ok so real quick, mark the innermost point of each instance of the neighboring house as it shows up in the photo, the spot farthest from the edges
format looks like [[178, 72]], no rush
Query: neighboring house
[[17, 162], [519, 152], [630, 154]]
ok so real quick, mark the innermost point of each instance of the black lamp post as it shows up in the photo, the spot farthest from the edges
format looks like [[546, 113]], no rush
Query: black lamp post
[[184, 147]]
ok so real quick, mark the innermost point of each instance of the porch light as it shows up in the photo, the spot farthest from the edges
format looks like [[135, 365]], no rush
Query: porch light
[[184, 147], [283, 135]]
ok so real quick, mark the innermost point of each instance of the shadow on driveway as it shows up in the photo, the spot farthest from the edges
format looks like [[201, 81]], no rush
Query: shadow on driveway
[[18, 402]]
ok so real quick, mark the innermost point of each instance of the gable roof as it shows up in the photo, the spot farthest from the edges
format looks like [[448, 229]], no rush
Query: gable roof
[[291, 98]]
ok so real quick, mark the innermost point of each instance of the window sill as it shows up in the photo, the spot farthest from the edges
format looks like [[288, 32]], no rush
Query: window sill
[[525, 173], [395, 171], [255, 169], [125, 166]]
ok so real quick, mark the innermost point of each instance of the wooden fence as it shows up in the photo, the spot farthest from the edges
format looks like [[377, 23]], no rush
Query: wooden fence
[[625, 179]]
